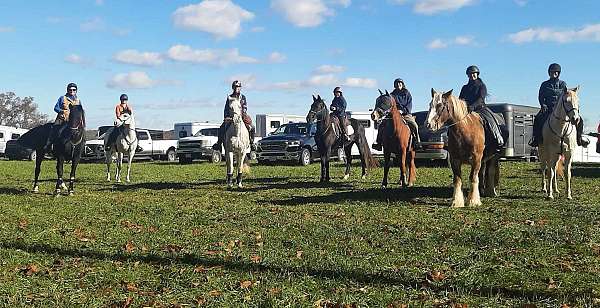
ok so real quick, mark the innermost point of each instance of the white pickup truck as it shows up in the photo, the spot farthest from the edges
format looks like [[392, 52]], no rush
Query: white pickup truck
[[153, 149], [200, 145]]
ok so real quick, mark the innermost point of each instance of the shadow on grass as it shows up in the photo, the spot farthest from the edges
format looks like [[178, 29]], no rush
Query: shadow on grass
[[385, 278], [412, 195], [149, 185], [13, 191], [589, 172]]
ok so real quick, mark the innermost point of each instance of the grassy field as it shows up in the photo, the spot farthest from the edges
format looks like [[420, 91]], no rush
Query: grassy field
[[176, 237]]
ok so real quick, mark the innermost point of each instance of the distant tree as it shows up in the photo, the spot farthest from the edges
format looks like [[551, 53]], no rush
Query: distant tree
[[20, 112]]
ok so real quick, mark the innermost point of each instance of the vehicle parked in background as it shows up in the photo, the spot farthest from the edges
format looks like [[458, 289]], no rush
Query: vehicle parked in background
[[199, 146], [189, 129], [150, 141], [14, 151], [433, 143], [9, 133], [268, 123]]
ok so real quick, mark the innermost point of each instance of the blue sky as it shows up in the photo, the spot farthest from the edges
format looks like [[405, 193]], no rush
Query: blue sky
[[176, 59]]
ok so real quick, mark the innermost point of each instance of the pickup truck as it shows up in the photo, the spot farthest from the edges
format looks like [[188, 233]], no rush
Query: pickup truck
[[153, 149], [200, 145]]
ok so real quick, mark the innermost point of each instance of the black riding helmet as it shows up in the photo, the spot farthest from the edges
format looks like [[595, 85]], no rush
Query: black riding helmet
[[236, 83], [337, 89], [472, 69], [554, 67], [123, 97], [399, 80], [71, 85]]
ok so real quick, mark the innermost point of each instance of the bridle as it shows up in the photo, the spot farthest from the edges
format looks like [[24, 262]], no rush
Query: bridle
[[447, 109], [317, 115]]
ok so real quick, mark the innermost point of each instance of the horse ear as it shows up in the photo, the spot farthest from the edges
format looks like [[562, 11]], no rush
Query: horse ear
[[314, 98], [380, 93], [386, 92], [576, 89], [432, 92], [319, 97], [447, 94]]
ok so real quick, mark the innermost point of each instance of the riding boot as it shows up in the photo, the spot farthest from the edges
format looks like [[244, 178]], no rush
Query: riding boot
[[343, 133], [251, 133], [112, 137], [51, 137], [493, 127], [580, 140], [377, 145], [536, 137], [222, 129], [414, 129]]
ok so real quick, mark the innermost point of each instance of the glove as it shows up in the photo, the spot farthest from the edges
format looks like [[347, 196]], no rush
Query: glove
[[332, 108], [544, 109]]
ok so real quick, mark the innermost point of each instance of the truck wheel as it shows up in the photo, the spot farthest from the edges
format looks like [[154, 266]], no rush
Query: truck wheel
[[171, 155], [216, 158], [305, 158], [32, 155]]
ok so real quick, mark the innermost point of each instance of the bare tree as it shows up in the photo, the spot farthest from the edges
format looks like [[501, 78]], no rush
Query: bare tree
[[20, 112]]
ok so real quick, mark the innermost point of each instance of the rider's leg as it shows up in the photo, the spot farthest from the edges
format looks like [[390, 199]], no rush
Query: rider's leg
[[342, 121], [536, 139], [222, 130], [52, 136], [377, 145], [414, 127], [493, 127], [580, 141]]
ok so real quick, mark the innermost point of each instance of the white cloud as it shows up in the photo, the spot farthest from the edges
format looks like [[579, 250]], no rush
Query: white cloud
[[343, 3], [432, 7], [353, 82], [184, 53], [6, 29], [131, 80], [329, 69], [521, 2], [132, 56], [221, 18], [464, 40], [276, 57], [248, 80], [588, 33], [317, 81], [77, 59], [303, 13], [94, 24]]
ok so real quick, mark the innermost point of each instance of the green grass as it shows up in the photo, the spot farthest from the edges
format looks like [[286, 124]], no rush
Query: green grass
[[176, 236]]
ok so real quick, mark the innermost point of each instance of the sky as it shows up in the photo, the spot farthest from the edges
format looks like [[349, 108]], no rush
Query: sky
[[176, 59]]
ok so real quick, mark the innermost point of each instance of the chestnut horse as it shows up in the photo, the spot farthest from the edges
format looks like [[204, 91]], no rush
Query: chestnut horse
[[466, 144], [396, 139]]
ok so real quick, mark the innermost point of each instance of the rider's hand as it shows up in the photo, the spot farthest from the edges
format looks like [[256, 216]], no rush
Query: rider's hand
[[332, 108], [544, 109]]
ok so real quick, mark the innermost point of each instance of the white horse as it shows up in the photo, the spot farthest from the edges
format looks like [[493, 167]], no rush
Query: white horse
[[126, 143], [559, 138], [237, 142]]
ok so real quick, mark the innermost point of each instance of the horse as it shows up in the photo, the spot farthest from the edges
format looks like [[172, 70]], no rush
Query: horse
[[397, 139], [68, 145], [466, 144], [237, 142], [125, 143], [559, 139], [327, 137]]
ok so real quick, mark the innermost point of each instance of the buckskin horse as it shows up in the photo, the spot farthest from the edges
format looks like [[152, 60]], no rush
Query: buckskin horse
[[328, 137], [396, 139], [68, 146], [559, 139], [466, 144]]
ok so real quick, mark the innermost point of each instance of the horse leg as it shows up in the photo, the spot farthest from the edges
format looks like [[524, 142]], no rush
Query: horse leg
[[59, 175], [240, 163], [229, 169], [543, 169], [474, 198], [556, 177], [491, 177], [403, 167], [327, 156], [322, 168], [108, 158], [129, 161], [38, 168], [550, 170], [458, 199], [412, 177], [568, 176], [348, 161], [119, 166], [386, 167], [74, 164]]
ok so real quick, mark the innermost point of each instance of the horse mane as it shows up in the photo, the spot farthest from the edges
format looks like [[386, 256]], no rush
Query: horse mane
[[457, 108]]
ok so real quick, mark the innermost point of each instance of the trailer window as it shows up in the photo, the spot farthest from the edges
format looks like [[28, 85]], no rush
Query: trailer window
[[15, 136], [275, 124], [142, 136], [1, 135]]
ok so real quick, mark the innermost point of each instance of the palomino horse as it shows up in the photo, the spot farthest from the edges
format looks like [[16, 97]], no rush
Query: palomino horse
[[237, 142], [126, 143], [396, 139], [466, 144], [559, 138], [68, 145], [327, 137]]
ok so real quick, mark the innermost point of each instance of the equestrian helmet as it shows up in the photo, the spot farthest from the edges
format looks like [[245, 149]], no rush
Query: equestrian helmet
[[123, 97], [337, 89], [554, 67], [71, 85], [472, 69], [235, 84], [399, 80]]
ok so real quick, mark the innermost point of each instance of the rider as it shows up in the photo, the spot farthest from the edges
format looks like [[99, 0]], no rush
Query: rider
[[338, 109], [121, 108], [62, 109], [550, 91], [403, 100], [236, 86], [474, 93]]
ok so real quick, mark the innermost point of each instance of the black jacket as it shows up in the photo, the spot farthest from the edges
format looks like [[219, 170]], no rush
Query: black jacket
[[550, 91], [227, 110], [403, 100], [340, 105], [474, 94]]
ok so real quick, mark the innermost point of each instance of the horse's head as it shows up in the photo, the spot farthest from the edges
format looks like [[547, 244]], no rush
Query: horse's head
[[235, 106], [570, 104], [439, 111], [383, 104], [76, 117], [126, 120], [316, 109]]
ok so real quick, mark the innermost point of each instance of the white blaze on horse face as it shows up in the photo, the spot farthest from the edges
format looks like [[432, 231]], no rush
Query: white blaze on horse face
[[432, 116]]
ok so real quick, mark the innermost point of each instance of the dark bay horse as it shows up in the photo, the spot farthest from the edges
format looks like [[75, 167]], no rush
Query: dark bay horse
[[396, 139], [466, 144], [327, 137], [68, 146]]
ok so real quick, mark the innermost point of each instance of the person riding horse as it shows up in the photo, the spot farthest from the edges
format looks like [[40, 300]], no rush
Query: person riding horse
[[62, 117], [474, 93], [404, 104], [338, 109], [236, 86], [550, 91], [121, 108]]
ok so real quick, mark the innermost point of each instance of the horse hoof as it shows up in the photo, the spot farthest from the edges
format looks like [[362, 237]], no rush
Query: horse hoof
[[63, 186], [128, 181], [383, 186], [240, 185], [36, 189], [71, 194], [347, 176], [570, 197], [475, 203], [363, 177], [549, 198]]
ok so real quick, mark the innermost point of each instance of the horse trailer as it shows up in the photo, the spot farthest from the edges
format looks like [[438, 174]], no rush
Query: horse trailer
[[9, 133], [268, 123], [519, 123], [189, 129]]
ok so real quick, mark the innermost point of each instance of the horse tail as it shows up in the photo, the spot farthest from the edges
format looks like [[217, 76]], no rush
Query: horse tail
[[36, 137], [363, 145]]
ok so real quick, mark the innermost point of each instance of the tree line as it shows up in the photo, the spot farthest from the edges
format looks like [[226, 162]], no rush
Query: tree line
[[20, 112]]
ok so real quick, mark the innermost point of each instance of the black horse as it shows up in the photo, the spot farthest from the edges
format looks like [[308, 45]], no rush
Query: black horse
[[68, 146], [328, 137]]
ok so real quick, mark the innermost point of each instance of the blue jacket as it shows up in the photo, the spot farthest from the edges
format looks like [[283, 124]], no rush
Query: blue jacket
[[550, 91], [227, 110], [474, 93], [340, 105], [403, 100], [59, 103]]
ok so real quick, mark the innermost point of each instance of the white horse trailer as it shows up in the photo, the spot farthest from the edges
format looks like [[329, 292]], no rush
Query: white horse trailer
[[188, 129], [9, 133], [589, 154], [268, 123], [364, 117]]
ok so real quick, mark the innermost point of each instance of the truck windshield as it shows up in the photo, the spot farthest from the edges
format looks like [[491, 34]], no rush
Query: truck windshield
[[292, 129], [208, 132]]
